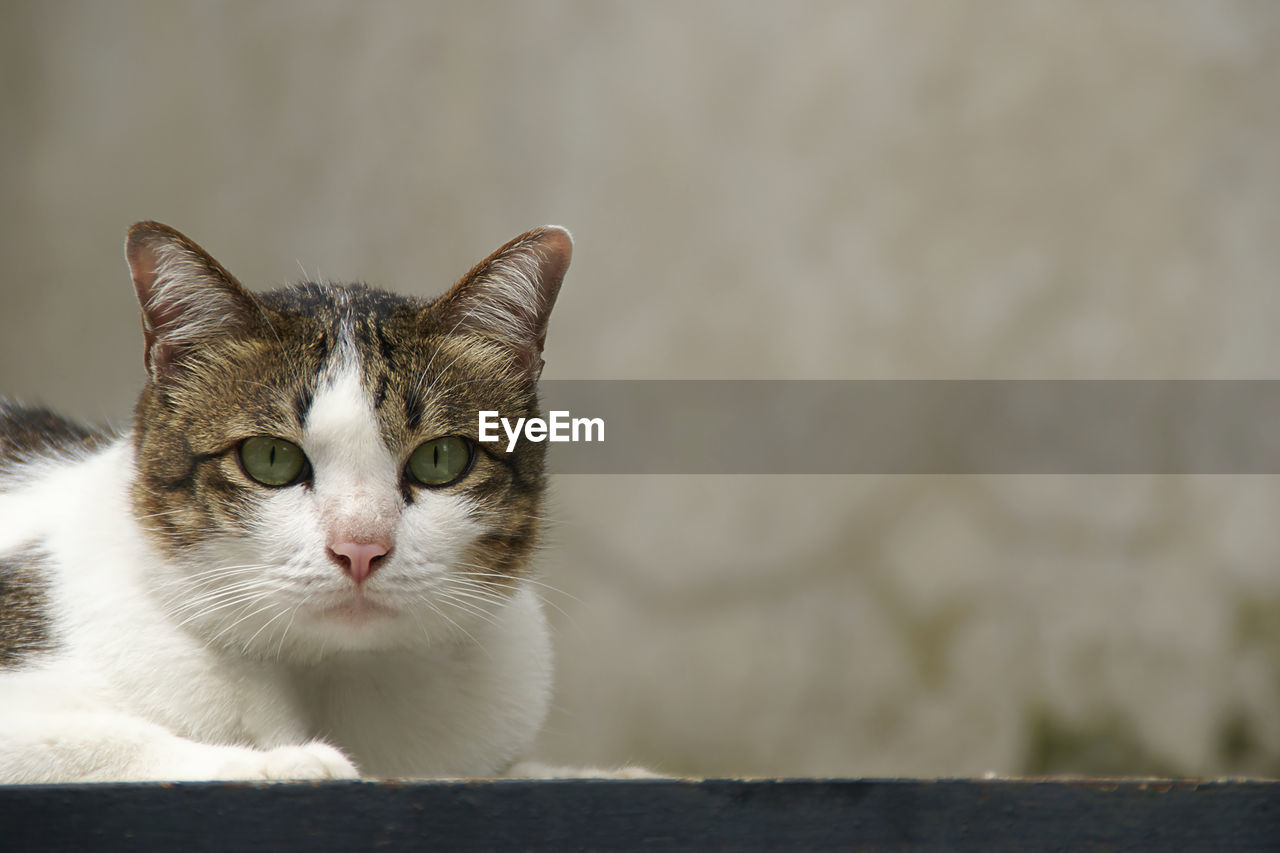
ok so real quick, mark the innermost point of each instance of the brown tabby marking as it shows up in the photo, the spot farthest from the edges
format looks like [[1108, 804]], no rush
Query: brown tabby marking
[[28, 435], [24, 607]]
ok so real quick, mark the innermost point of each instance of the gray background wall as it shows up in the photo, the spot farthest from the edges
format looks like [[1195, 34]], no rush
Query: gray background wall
[[802, 190]]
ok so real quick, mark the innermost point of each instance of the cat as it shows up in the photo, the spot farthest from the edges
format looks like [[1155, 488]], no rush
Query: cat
[[299, 563]]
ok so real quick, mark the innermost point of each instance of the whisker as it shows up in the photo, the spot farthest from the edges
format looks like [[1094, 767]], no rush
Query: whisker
[[478, 594], [186, 596], [218, 594], [232, 626], [486, 600], [468, 607], [292, 615], [422, 377], [445, 616], [418, 619], [249, 642], [243, 599], [239, 578], [216, 571], [485, 575], [485, 580]]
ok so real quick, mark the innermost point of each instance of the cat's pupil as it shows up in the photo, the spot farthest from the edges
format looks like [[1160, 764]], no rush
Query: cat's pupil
[[272, 461], [439, 461]]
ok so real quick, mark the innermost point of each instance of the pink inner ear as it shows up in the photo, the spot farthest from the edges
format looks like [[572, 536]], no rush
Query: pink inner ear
[[185, 294], [509, 295], [142, 267]]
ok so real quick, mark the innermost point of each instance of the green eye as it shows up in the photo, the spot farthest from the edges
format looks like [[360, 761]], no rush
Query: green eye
[[272, 461], [440, 461]]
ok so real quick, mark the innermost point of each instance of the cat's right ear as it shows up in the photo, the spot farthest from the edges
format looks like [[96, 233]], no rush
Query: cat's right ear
[[186, 296], [508, 296]]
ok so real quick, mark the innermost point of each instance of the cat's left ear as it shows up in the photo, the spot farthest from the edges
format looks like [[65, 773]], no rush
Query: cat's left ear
[[186, 296], [508, 296]]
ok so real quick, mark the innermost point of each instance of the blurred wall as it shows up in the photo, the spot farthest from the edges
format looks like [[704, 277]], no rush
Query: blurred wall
[[915, 189]]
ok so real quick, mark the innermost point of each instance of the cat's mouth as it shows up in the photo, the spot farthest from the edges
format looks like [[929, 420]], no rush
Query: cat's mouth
[[354, 609]]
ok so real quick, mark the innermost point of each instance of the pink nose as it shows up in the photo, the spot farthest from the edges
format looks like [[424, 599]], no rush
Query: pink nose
[[359, 559]]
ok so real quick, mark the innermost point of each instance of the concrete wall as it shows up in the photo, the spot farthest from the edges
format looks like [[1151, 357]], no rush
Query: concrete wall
[[771, 190]]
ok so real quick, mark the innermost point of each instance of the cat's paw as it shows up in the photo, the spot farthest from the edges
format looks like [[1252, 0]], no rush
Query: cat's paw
[[315, 760]]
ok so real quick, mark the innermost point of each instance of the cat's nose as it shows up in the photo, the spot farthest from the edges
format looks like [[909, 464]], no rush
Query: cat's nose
[[359, 559]]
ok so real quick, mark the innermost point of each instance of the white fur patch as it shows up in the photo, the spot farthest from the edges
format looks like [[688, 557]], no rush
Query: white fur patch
[[356, 478]]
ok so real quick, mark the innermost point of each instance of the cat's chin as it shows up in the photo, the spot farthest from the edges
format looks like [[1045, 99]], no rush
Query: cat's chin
[[355, 611]]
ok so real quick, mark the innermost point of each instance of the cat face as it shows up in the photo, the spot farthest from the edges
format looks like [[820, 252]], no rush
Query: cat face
[[307, 459]]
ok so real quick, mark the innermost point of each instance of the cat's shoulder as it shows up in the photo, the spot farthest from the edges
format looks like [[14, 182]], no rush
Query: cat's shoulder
[[31, 434]]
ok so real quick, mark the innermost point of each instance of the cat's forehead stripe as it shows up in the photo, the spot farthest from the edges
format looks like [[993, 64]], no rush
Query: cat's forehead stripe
[[341, 422], [370, 327]]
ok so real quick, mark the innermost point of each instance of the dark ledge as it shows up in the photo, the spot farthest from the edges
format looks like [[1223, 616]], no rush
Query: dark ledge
[[798, 814]]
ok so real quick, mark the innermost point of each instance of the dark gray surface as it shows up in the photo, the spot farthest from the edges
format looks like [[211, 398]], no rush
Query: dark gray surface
[[661, 814]]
